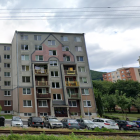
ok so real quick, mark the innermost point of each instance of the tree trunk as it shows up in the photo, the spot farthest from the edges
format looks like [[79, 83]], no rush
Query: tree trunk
[[108, 109], [114, 109], [138, 110], [129, 110]]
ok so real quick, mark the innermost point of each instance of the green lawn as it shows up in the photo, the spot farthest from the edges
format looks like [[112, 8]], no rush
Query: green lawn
[[7, 116], [131, 117]]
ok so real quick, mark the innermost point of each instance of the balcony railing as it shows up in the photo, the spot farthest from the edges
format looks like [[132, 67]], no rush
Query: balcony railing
[[72, 83], [42, 83], [43, 95], [41, 71], [74, 96], [70, 72]]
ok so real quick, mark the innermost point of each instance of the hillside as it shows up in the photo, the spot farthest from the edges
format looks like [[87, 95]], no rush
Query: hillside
[[96, 75]]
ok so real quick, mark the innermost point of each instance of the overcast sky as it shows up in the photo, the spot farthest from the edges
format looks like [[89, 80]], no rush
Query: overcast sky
[[112, 37]]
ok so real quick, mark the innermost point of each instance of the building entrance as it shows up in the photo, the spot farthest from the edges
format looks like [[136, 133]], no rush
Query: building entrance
[[60, 111]]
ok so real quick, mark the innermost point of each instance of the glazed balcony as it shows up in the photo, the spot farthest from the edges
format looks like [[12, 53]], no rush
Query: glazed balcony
[[74, 96], [72, 83], [70, 72], [45, 71], [43, 95], [42, 83]]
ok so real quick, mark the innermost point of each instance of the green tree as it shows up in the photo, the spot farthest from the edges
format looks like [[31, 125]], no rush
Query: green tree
[[0, 108], [137, 102]]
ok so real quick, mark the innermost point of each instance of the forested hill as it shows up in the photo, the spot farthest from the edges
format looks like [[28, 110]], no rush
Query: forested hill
[[96, 75]]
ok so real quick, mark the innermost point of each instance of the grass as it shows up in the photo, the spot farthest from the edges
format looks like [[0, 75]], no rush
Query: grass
[[7, 116], [132, 117]]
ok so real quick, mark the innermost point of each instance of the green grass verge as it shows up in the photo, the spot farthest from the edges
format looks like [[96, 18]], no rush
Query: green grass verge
[[60, 137], [7, 116]]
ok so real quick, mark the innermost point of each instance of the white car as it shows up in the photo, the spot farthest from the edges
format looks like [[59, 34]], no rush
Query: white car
[[16, 121], [107, 123]]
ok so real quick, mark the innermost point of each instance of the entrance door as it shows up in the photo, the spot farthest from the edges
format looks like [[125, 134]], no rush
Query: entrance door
[[60, 111]]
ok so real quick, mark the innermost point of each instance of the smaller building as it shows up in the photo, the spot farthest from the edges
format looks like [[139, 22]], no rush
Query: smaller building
[[125, 73]]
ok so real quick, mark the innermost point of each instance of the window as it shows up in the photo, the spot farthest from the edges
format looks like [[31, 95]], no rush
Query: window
[[80, 58], [74, 114], [78, 49], [108, 74], [24, 47], [118, 76], [123, 76], [57, 96], [52, 52], [109, 78], [6, 48], [53, 62], [6, 112], [25, 79], [24, 57], [54, 73], [39, 57], [71, 91], [26, 91], [66, 58], [73, 103], [113, 76], [51, 42], [42, 103], [83, 79], [7, 74], [7, 103], [122, 71], [85, 91], [27, 103], [7, 93], [7, 65], [37, 37], [43, 114], [37, 47], [42, 90], [24, 37], [6, 83], [127, 70], [112, 73], [27, 114], [123, 79], [87, 103], [55, 84], [81, 69], [77, 39], [64, 38], [25, 68], [65, 48], [6, 56], [117, 72], [88, 114]]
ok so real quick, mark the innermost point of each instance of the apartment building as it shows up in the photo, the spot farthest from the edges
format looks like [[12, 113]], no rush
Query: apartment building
[[128, 73], [46, 73]]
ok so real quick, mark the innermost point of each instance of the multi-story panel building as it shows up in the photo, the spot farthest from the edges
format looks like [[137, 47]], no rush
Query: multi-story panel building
[[46, 74], [128, 73]]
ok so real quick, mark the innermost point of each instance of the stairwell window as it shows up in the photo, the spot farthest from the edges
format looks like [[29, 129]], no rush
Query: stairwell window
[[24, 57], [72, 103], [51, 42], [78, 48], [77, 39], [6, 56], [66, 58], [39, 57], [7, 83], [26, 91], [64, 38], [87, 103], [80, 58], [52, 52], [55, 85], [25, 68], [54, 73], [37, 47], [57, 96], [85, 91], [7, 74], [7, 103], [24, 47], [53, 62], [25, 79], [43, 103], [65, 48], [37, 37], [24, 37], [6, 48], [6, 65], [7, 93], [83, 80], [27, 103], [81, 69]]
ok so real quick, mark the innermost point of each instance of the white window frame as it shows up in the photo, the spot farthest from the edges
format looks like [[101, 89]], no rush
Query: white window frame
[[82, 80], [88, 114], [53, 63], [37, 47], [75, 114], [86, 103], [55, 85], [57, 97], [65, 48], [64, 38], [72, 103], [45, 91], [5, 56], [78, 58], [7, 48], [37, 37], [54, 73], [23, 57], [43, 114], [82, 69], [84, 89], [26, 90], [42, 103], [7, 112], [77, 39], [7, 102], [27, 114], [123, 75], [26, 79], [50, 42], [5, 65], [24, 46], [37, 57], [78, 48], [7, 93], [7, 83], [118, 76], [24, 67], [51, 52], [67, 59], [7, 74], [122, 71], [24, 37], [27, 103]]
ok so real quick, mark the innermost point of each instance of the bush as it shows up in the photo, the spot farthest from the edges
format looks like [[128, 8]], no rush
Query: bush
[[111, 117]]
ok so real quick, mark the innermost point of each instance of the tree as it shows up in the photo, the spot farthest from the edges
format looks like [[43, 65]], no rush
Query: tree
[[137, 102], [0, 108]]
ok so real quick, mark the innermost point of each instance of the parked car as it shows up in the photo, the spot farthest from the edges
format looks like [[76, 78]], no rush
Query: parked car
[[52, 122], [107, 123], [35, 122], [16, 121], [88, 124], [70, 123], [127, 125]]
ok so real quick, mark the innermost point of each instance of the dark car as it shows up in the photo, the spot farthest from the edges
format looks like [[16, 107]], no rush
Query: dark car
[[35, 122], [70, 123], [127, 125]]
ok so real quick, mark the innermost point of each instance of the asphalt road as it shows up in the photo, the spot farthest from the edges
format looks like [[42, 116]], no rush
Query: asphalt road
[[8, 122]]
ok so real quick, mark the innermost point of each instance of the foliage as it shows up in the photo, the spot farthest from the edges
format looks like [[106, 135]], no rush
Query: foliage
[[0, 108], [110, 117], [7, 116], [96, 75], [137, 101]]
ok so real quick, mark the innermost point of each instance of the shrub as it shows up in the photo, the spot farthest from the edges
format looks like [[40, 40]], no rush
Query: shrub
[[111, 117]]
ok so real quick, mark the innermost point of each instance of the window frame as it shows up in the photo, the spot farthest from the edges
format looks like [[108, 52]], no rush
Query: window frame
[[54, 74], [86, 103], [43, 114], [27, 103], [77, 50], [53, 63], [88, 113], [42, 103], [8, 92], [26, 79], [72, 103], [77, 39], [25, 66], [23, 55], [6, 48], [66, 58], [80, 69], [8, 112], [5, 64], [37, 47], [42, 90], [8, 101], [27, 114], [24, 37], [7, 84], [50, 43], [37, 37], [55, 84], [84, 91], [5, 74], [6, 56], [37, 56], [65, 48], [64, 38], [57, 97], [51, 52], [26, 90], [79, 58], [24, 46], [82, 81]]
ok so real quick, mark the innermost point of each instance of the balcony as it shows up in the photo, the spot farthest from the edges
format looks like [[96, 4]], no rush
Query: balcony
[[72, 83], [74, 96], [41, 71], [41, 95], [70, 72], [42, 83]]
